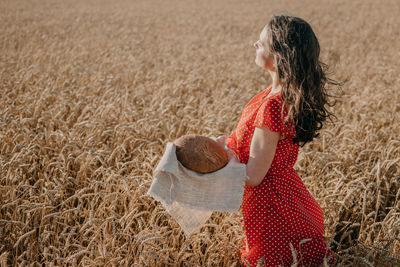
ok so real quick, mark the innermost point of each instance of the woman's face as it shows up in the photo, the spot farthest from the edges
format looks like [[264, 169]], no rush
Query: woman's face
[[263, 57]]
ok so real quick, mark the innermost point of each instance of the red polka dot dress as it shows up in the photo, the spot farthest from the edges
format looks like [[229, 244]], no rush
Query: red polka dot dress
[[281, 217]]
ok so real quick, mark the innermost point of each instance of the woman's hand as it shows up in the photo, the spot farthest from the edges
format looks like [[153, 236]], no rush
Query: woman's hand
[[221, 140]]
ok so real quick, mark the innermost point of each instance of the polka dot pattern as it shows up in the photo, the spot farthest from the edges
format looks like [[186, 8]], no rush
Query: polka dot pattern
[[280, 214]]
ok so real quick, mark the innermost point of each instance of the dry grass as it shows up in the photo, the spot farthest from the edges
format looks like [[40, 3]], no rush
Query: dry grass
[[91, 91]]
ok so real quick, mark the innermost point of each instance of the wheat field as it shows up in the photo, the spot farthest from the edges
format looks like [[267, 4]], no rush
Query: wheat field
[[91, 92]]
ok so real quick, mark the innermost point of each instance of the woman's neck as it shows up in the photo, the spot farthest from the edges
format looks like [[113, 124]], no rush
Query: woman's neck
[[276, 83]]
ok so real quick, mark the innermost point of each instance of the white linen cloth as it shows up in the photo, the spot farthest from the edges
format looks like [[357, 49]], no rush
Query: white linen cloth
[[191, 197]]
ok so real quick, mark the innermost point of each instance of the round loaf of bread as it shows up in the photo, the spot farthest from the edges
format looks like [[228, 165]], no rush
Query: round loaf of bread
[[200, 154]]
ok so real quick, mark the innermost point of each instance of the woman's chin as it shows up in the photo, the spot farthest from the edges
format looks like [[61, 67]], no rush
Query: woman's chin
[[261, 66]]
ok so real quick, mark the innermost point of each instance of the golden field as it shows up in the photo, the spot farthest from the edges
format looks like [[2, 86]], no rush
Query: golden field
[[91, 92]]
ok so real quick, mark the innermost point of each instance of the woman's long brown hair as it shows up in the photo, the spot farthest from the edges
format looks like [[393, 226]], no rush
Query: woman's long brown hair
[[295, 48]]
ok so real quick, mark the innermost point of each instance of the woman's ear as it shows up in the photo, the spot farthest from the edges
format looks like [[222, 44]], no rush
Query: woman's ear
[[274, 67], [270, 63]]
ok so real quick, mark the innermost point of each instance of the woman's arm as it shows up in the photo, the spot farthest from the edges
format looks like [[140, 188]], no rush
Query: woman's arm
[[262, 151]]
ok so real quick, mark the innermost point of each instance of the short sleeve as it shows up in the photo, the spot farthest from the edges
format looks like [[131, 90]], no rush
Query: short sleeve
[[269, 115]]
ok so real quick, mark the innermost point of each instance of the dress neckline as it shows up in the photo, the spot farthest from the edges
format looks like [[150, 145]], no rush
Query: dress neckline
[[268, 91]]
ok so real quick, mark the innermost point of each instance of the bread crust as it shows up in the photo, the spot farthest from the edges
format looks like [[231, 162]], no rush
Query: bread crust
[[200, 153]]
